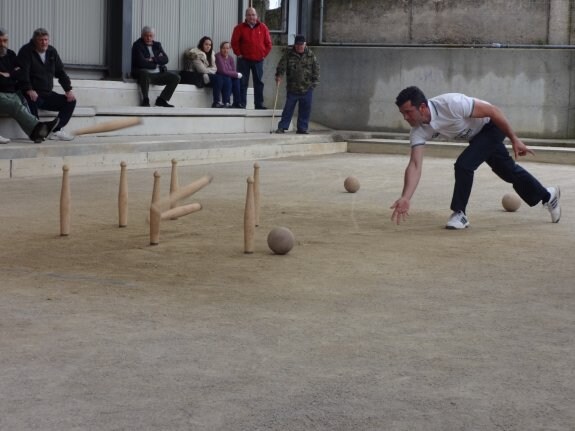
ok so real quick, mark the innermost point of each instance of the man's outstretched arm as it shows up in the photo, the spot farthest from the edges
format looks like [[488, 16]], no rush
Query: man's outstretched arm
[[410, 181]]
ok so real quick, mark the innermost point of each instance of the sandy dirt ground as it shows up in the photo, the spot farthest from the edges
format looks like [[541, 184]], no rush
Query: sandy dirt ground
[[364, 325]]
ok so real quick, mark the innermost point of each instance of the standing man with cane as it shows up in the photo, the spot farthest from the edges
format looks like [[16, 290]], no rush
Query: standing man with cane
[[251, 43], [302, 72]]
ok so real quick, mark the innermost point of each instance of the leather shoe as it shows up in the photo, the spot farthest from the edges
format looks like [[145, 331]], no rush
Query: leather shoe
[[145, 102], [43, 130], [302, 132], [161, 102], [261, 107], [279, 130]]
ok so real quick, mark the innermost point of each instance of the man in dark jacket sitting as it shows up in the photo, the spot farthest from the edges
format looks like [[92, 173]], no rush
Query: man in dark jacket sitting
[[40, 64], [149, 67], [11, 102]]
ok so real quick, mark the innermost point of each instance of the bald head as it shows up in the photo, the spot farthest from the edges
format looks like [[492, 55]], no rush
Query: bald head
[[251, 16]]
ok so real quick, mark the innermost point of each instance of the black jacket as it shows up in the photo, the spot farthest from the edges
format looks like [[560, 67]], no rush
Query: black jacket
[[141, 54], [8, 64], [40, 76]]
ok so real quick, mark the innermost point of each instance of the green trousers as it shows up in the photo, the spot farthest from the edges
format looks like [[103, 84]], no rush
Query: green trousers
[[12, 105]]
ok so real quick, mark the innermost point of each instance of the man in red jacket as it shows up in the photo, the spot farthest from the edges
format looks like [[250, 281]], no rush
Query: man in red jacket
[[251, 42]]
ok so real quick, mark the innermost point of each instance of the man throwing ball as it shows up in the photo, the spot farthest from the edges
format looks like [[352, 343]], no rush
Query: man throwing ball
[[456, 116]]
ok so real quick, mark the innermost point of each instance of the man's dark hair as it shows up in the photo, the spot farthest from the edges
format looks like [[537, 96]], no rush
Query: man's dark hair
[[412, 94], [3, 32]]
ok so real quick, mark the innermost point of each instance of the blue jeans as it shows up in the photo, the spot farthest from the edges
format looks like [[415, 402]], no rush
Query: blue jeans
[[487, 146], [257, 67], [303, 113], [216, 82], [230, 86], [53, 102]]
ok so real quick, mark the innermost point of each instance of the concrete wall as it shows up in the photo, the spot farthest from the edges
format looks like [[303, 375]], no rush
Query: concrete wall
[[444, 21], [358, 86]]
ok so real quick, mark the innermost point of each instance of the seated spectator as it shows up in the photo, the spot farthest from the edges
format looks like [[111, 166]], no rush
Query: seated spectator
[[11, 102], [230, 78], [202, 60], [149, 67], [40, 64]]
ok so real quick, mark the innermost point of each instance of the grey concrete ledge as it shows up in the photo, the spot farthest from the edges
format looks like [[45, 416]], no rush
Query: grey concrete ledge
[[156, 111], [564, 155], [88, 155]]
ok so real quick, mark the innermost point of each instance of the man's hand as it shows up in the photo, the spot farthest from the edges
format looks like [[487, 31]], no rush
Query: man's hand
[[32, 95], [520, 149], [70, 97], [278, 79], [400, 210]]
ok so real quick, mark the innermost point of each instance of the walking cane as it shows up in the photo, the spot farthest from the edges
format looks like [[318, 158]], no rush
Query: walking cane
[[274, 111]]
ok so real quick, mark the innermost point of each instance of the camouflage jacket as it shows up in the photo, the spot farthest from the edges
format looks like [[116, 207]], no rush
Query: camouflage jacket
[[301, 70]]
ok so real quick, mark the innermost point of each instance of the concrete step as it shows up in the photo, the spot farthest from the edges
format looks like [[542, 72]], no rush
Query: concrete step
[[161, 121], [102, 93], [89, 154], [98, 101]]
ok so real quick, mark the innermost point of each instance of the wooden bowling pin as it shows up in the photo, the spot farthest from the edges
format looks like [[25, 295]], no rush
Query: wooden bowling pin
[[249, 218], [174, 183], [257, 193], [156, 190], [155, 218], [65, 202], [123, 197]]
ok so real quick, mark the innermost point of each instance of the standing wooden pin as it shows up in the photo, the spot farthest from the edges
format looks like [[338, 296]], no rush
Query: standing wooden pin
[[155, 218], [249, 218], [156, 190], [123, 197], [257, 193], [65, 203], [174, 184]]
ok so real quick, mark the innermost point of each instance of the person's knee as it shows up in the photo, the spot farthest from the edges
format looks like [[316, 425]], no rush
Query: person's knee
[[143, 79], [460, 167], [507, 173]]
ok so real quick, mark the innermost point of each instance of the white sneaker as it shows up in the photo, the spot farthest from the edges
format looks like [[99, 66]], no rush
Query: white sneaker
[[4, 140], [553, 205], [458, 220], [61, 135]]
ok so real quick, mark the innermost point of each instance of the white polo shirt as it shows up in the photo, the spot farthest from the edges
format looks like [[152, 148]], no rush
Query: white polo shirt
[[450, 118]]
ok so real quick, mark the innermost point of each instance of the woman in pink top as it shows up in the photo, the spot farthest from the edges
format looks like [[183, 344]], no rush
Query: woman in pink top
[[230, 78]]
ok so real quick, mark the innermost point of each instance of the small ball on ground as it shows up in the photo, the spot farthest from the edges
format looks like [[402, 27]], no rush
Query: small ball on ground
[[281, 240], [511, 202], [351, 184]]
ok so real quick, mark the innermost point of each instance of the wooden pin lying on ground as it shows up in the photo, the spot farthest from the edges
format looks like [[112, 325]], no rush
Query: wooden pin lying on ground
[[123, 197], [159, 208], [182, 193], [180, 211], [249, 218], [65, 202]]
